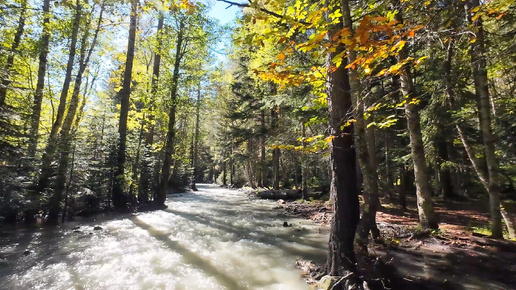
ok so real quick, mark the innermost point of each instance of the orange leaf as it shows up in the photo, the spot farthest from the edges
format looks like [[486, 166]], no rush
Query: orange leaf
[[281, 56], [411, 33]]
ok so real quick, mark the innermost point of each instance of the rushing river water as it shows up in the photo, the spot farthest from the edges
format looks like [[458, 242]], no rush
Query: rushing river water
[[213, 239]]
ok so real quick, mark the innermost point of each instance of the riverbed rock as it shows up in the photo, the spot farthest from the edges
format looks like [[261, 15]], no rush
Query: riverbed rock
[[97, 228], [286, 224], [26, 253], [327, 282]]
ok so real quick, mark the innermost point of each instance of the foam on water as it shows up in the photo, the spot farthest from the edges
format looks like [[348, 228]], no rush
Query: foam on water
[[213, 239]]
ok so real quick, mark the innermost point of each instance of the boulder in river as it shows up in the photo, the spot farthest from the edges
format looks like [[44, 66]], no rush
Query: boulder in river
[[26, 253], [97, 228]]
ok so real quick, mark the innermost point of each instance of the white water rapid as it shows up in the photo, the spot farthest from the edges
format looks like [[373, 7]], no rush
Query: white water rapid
[[212, 239]]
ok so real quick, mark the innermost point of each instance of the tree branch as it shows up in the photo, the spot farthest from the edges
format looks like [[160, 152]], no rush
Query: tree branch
[[245, 5]]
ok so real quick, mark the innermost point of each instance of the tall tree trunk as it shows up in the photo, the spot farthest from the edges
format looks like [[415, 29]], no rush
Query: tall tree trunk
[[478, 62], [444, 172], [118, 195], [42, 69], [232, 164], [263, 161], [146, 171], [276, 151], [169, 143], [427, 217], [65, 140], [195, 153], [370, 177], [343, 189], [53, 143], [6, 79], [304, 171]]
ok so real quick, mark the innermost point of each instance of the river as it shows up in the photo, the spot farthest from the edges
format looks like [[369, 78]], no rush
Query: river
[[215, 238]]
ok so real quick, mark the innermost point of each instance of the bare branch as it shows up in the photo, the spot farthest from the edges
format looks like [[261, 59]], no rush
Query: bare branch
[[248, 5]]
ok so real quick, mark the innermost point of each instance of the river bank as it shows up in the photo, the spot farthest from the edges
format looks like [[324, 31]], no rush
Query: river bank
[[455, 257]]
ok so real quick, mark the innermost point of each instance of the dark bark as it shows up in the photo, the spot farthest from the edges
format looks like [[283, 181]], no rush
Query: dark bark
[[403, 188], [263, 164], [275, 151], [442, 143], [370, 185], [42, 69], [444, 172], [343, 189], [118, 195], [6, 79], [169, 143]]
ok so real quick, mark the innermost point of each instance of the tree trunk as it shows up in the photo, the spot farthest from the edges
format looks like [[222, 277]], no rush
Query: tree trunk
[[370, 176], [65, 140], [42, 68], [232, 165], [304, 169], [510, 222], [444, 172], [343, 189], [276, 151], [53, 142], [6, 79], [118, 195], [195, 153], [263, 164], [425, 207], [146, 171], [224, 173], [404, 180], [169, 144], [478, 62]]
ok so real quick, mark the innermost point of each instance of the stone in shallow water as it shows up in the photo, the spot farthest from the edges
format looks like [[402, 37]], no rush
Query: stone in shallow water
[[97, 228], [327, 282]]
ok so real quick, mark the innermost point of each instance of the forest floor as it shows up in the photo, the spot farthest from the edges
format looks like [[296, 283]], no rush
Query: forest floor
[[458, 256]]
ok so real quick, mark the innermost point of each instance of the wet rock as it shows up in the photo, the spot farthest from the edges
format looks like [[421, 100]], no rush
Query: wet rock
[[281, 201], [97, 228], [77, 227], [77, 231], [323, 209], [26, 253], [286, 224], [327, 282]]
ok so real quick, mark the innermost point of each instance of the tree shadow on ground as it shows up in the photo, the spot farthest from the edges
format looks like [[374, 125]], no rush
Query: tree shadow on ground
[[189, 256], [281, 241]]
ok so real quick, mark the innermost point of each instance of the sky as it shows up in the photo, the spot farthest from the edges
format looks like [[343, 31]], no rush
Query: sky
[[222, 12], [226, 14]]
